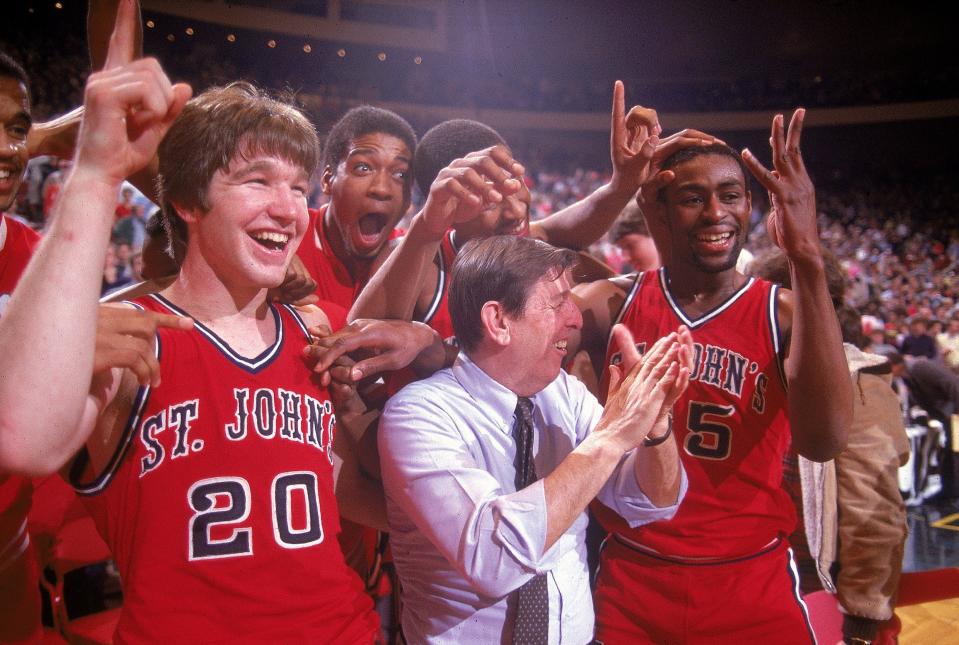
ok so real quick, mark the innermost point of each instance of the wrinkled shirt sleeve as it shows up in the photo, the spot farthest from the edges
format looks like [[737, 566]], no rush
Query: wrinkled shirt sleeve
[[493, 536], [621, 492]]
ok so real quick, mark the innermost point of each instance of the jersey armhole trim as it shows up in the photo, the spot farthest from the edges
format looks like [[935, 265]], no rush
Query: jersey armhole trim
[[627, 301], [440, 290], [779, 347], [299, 321], [101, 480]]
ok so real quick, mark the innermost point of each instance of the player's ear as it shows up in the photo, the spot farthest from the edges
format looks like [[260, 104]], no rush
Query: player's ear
[[187, 214], [749, 200], [495, 322], [326, 179]]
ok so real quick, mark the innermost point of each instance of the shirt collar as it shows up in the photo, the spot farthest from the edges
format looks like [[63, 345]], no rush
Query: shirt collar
[[498, 400]]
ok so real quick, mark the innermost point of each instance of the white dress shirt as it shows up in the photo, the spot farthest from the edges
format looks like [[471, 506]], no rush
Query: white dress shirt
[[462, 537]]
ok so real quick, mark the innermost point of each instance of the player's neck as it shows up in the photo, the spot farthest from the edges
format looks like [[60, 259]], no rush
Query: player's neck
[[239, 315], [697, 291], [358, 268]]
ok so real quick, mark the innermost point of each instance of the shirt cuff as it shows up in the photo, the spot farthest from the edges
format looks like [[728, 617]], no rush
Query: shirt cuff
[[623, 495]]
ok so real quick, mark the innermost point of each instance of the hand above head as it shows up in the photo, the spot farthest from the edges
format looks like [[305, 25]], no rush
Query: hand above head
[[792, 217], [468, 185], [384, 345], [632, 142], [125, 338], [129, 106], [635, 146], [658, 179]]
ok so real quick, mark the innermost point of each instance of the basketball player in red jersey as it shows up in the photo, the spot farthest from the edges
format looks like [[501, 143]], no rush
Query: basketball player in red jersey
[[19, 577], [213, 484], [720, 569], [366, 174]]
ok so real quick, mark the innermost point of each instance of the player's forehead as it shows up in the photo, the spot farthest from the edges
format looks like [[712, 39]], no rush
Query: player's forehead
[[247, 162], [379, 144], [14, 99], [707, 170], [551, 286]]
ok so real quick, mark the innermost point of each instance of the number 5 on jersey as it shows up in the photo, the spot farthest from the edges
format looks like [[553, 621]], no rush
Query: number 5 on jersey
[[708, 438]]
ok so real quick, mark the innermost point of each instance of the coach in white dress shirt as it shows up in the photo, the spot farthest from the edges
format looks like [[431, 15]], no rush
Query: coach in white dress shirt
[[463, 538]]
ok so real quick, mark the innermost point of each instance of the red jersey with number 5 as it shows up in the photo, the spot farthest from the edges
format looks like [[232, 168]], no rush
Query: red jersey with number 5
[[218, 504], [731, 423]]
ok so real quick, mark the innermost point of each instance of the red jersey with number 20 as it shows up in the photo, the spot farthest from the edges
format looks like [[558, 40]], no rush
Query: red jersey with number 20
[[730, 425], [219, 506]]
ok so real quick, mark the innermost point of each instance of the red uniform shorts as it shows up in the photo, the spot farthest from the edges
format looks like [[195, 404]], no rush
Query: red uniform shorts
[[641, 598]]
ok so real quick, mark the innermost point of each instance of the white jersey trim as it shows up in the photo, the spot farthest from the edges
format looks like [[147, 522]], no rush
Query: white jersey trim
[[709, 315], [12, 551], [779, 346], [254, 364], [299, 321], [630, 296], [102, 479], [440, 282]]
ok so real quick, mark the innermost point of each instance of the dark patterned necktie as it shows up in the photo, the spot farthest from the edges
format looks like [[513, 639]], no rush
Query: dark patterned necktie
[[532, 599]]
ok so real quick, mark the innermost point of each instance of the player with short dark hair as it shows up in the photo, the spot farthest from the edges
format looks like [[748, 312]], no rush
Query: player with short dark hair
[[447, 141], [365, 171], [724, 552]]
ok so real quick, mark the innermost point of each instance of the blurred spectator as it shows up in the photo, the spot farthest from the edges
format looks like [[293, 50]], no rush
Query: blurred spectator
[[918, 342], [936, 390], [115, 272], [125, 205], [948, 342], [131, 229], [852, 526], [51, 186], [631, 236]]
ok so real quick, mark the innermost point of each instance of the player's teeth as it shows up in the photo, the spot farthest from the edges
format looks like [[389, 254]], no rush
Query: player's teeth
[[279, 238], [4, 174], [716, 238], [561, 344]]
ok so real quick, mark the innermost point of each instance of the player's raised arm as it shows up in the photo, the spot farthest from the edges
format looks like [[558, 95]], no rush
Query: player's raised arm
[[458, 194], [820, 393], [635, 150], [48, 332]]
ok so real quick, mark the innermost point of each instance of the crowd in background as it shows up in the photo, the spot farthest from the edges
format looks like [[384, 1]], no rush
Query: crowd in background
[[897, 238], [341, 83]]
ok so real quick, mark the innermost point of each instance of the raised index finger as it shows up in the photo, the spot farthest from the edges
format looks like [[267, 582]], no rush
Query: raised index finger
[[123, 40], [617, 120]]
